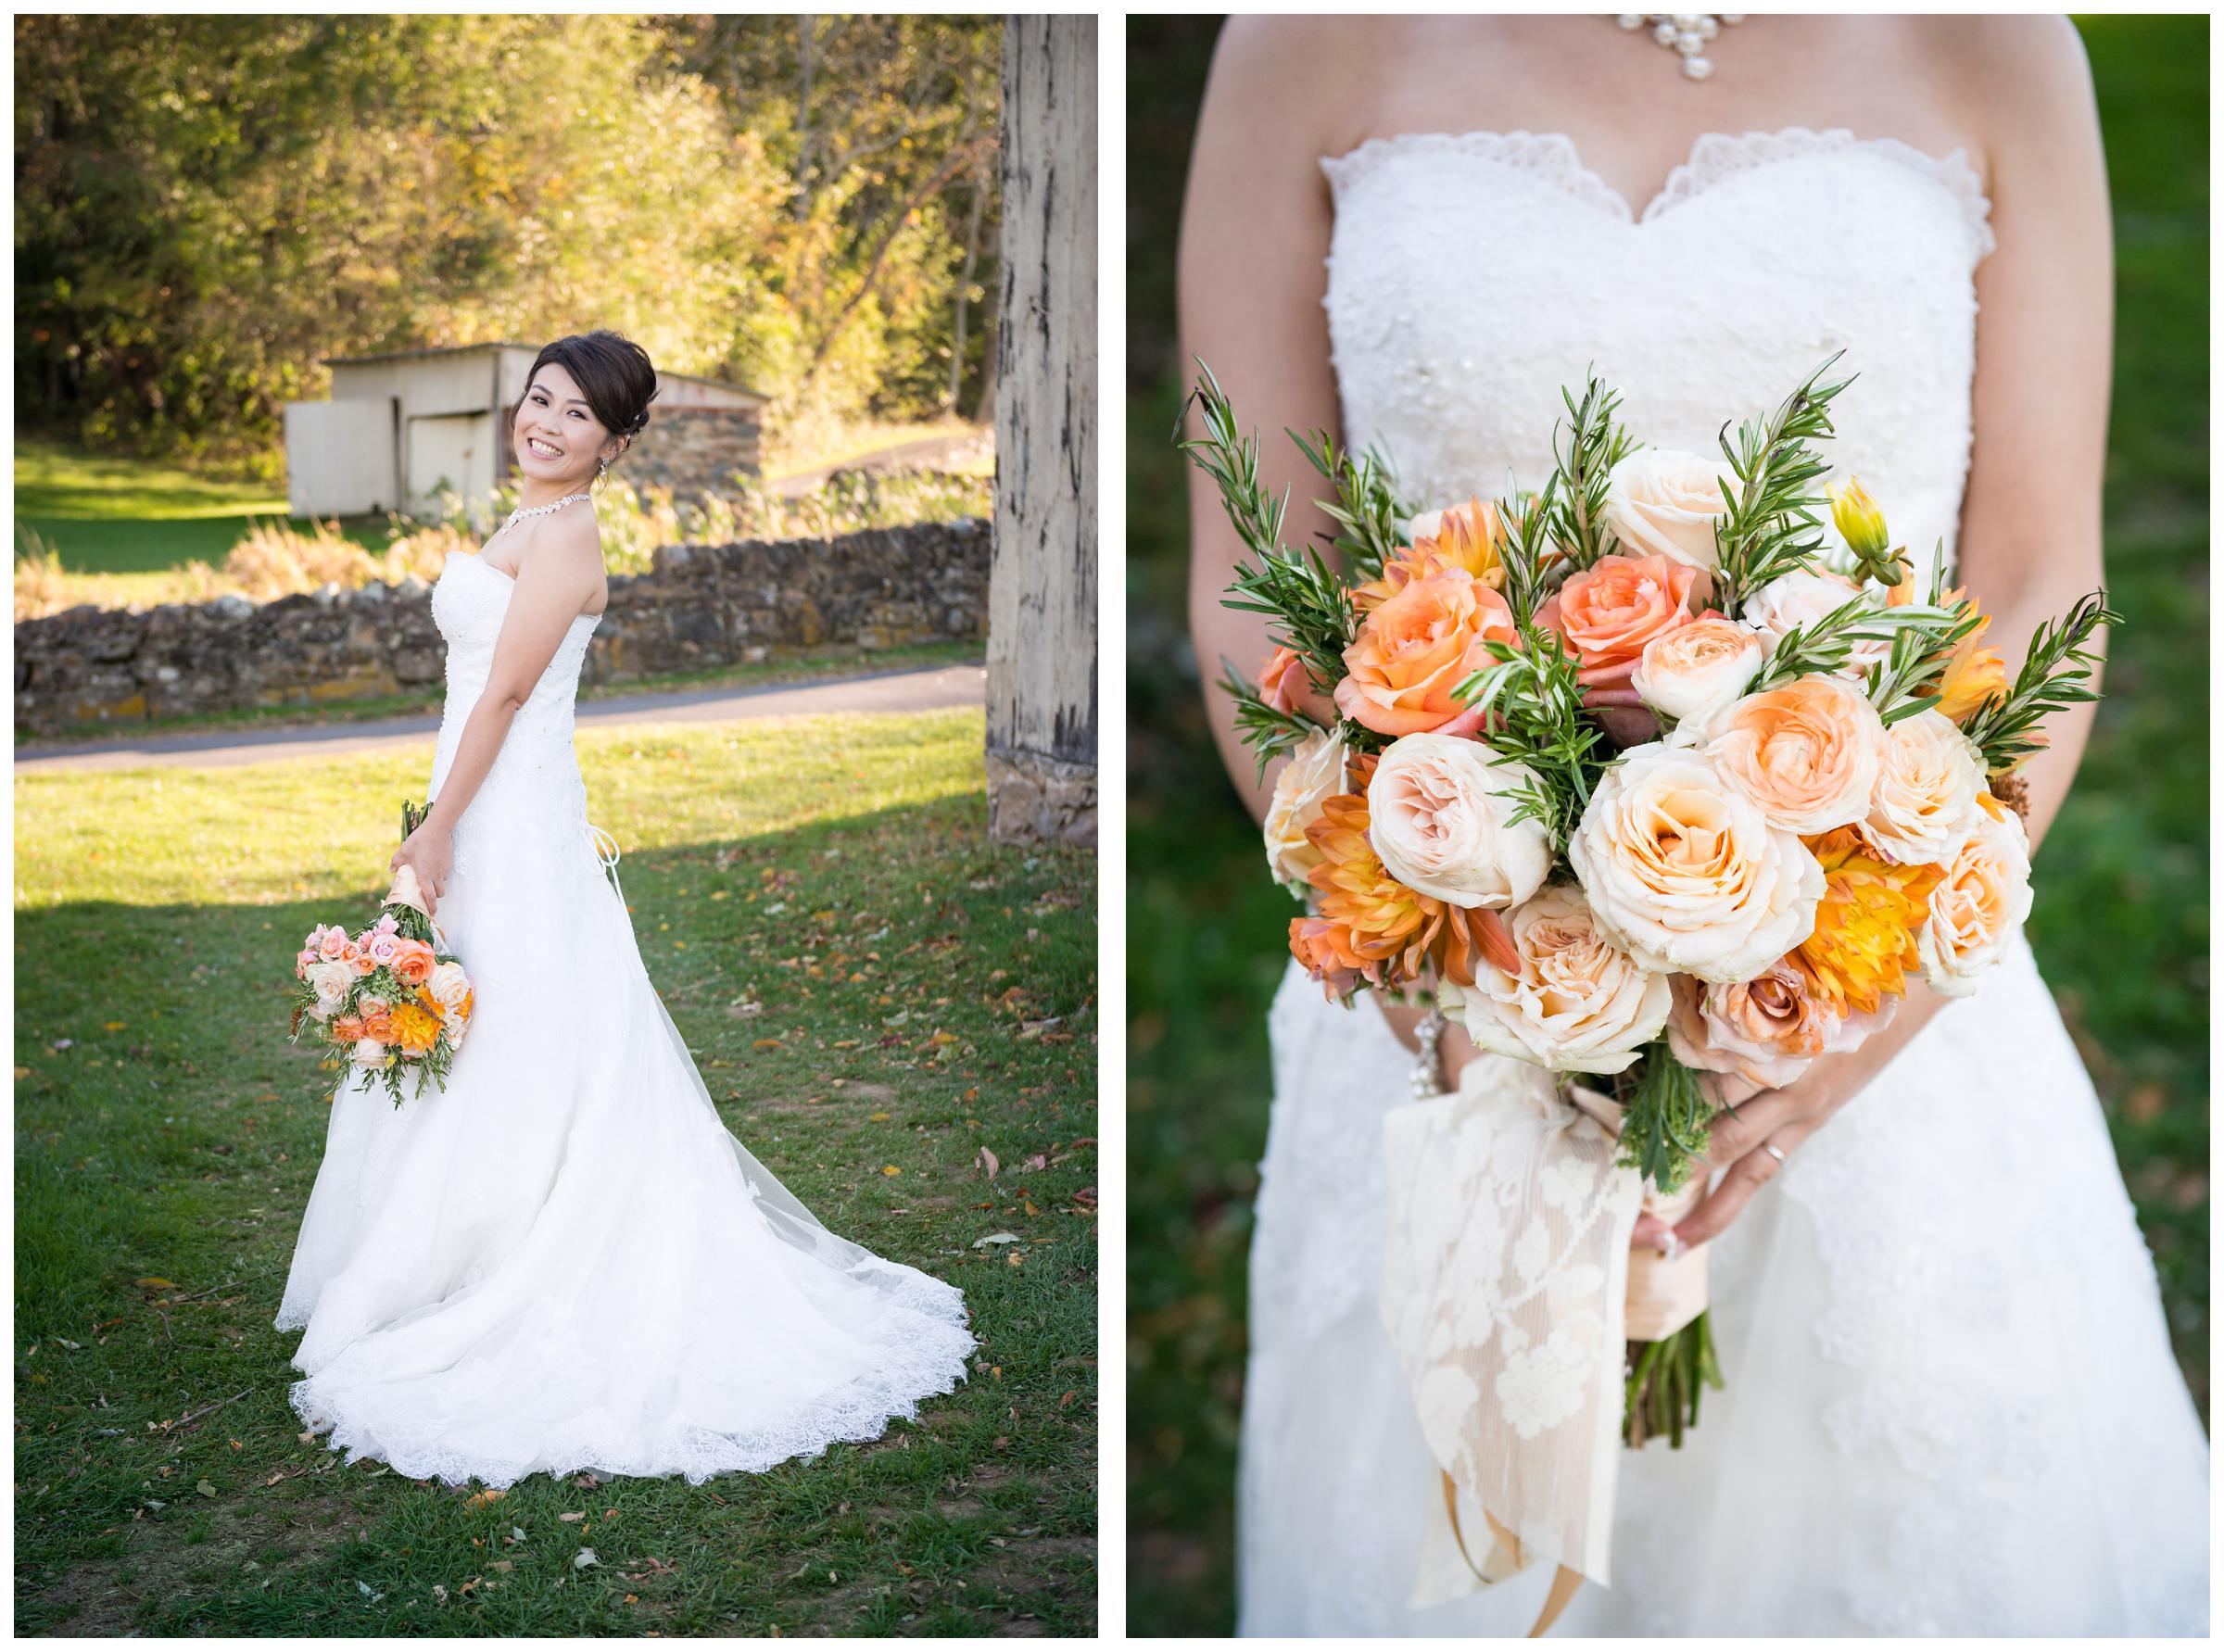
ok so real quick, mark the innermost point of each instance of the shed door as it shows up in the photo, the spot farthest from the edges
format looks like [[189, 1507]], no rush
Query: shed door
[[454, 451], [339, 457]]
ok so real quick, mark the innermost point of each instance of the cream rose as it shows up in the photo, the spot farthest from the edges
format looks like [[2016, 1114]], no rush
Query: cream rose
[[1807, 753], [1985, 895], [369, 1053], [1924, 805], [1686, 873], [1659, 502], [1800, 600], [1579, 1005], [331, 980], [1313, 775], [448, 985], [1696, 671], [1440, 818]]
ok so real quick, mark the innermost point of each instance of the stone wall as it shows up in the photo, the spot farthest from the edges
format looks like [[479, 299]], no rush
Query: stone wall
[[692, 451], [700, 606]]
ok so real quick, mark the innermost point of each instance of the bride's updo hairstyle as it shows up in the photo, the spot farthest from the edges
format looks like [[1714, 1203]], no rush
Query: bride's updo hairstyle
[[613, 372]]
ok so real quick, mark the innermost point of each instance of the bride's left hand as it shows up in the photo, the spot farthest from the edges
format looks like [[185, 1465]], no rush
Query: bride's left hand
[[430, 852]]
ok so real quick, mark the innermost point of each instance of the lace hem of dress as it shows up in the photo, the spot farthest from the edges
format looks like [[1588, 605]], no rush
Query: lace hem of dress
[[1553, 159], [934, 1365]]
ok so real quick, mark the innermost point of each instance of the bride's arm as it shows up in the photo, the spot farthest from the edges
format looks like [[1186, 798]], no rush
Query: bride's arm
[[1254, 231], [1254, 234], [2031, 539], [554, 585]]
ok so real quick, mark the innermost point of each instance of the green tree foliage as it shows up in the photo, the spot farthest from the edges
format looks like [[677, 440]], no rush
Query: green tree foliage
[[208, 207]]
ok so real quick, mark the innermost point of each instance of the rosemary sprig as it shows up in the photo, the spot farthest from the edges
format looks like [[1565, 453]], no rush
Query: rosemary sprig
[[1529, 551], [1306, 599], [1268, 732], [1534, 700], [2056, 674], [1367, 509], [1771, 526], [1822, 648], [1664, 1117], [1593, 443]]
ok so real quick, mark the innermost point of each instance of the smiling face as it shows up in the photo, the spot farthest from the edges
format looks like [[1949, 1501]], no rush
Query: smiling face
[[557, 439]]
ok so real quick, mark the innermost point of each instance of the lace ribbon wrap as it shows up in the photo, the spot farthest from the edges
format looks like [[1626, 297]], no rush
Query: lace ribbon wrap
[[1504, 1270]]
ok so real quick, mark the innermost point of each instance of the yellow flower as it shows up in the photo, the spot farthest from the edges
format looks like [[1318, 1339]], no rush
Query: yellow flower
[[415, 1029], [1973, 674], [1864, 940], [1860, 519], [1467, 537]]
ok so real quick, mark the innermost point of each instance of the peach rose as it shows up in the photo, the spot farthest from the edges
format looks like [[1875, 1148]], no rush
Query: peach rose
[[1313, 775], [1983, 900], [1441, 818], [346, 1029], [331, 978], [1764, 1030], [1800, 599], [1693, 672], [1576, 1003], [448, 985], [1924, 804], [414, 962], [1611, 611], [1808, 753], [1415, 649], [1686, 873], [1659, 502], [369, 1053]]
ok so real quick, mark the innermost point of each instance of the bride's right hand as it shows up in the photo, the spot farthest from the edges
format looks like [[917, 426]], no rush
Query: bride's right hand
[[429, 851]]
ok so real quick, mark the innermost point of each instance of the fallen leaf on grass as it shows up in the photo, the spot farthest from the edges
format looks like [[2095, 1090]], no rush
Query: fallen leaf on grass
[[996, 1239], [583, 1559], [567, 1518], [205, 1489], [480, 1499], [878, 1118], [988, 1163]]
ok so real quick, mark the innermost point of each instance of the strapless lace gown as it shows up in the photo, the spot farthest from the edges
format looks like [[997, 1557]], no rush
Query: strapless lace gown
[[563, 1260], [1952, 1404]]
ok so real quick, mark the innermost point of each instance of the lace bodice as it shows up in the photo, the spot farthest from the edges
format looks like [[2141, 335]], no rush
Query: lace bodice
[[536, 770], [1471, 277]]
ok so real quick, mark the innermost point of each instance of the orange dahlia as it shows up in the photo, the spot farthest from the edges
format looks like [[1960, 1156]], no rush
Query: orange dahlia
[[1371, 927], [1973, 673], [414, 1029], [1863, 941], [1468, 537]]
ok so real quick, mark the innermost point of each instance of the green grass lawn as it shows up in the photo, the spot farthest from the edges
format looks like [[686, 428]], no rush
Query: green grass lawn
[[919, 996], [119, 515], [2121, 922]]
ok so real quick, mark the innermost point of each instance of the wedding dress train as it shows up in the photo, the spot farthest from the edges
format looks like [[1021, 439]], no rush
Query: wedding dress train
[[1952, 1405], [563, 1260]]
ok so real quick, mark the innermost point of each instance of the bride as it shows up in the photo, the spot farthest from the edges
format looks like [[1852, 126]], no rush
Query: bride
[[1952, 1404], [562, 1260]]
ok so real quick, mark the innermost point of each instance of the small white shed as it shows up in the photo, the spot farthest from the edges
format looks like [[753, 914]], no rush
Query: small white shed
[[405, 426]]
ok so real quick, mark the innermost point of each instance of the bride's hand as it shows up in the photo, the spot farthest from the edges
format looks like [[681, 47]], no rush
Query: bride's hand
[[430, 852]]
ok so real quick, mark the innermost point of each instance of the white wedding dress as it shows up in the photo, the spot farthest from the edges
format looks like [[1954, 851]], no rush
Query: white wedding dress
[[1952, 1405], [563, 1260]]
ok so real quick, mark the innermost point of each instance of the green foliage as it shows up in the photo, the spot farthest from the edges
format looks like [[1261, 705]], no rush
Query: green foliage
[[164, 1152], [1664, 1117], [1370, 515], [2058, 672], [208, 207], [1535, 699], [1770, 527], [1584, 450]]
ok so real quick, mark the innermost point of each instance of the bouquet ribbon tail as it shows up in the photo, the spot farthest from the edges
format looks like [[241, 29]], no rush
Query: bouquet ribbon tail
[[1504, 1270]]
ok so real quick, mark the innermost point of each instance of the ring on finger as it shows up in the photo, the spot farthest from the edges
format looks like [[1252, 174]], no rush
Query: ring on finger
[[1771, 1148]]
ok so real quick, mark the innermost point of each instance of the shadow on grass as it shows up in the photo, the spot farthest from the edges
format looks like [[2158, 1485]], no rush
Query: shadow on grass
[[167, 1139]]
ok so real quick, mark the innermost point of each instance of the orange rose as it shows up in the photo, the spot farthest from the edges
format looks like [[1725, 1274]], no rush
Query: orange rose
[[414, 962], [1808, 754], [379, 1025], [1415, 649], [1764, 1030], [1612, 609], [347, 1029]]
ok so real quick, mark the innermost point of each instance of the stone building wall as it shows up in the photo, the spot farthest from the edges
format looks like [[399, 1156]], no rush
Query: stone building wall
[[700, 606], [692, 451]]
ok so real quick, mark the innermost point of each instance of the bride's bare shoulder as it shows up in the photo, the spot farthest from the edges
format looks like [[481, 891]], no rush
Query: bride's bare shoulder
[[2008, 64], [1303, 71]]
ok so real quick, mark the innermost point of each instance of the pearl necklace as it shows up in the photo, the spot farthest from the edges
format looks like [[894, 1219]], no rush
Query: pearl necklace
[[1684, 33], [522, 514]]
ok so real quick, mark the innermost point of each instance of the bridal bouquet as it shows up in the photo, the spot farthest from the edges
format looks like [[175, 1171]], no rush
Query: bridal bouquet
[[1649, 788], [392, 999]]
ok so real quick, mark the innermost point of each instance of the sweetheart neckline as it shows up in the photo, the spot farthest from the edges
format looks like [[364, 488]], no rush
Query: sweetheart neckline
[[1951, 172], [510, 580]]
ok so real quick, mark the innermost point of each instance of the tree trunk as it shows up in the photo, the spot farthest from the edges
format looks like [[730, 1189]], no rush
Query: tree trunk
[[1042, 689]]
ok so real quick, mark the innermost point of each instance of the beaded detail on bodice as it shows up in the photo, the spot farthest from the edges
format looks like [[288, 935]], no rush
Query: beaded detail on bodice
[[1472, 277]]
